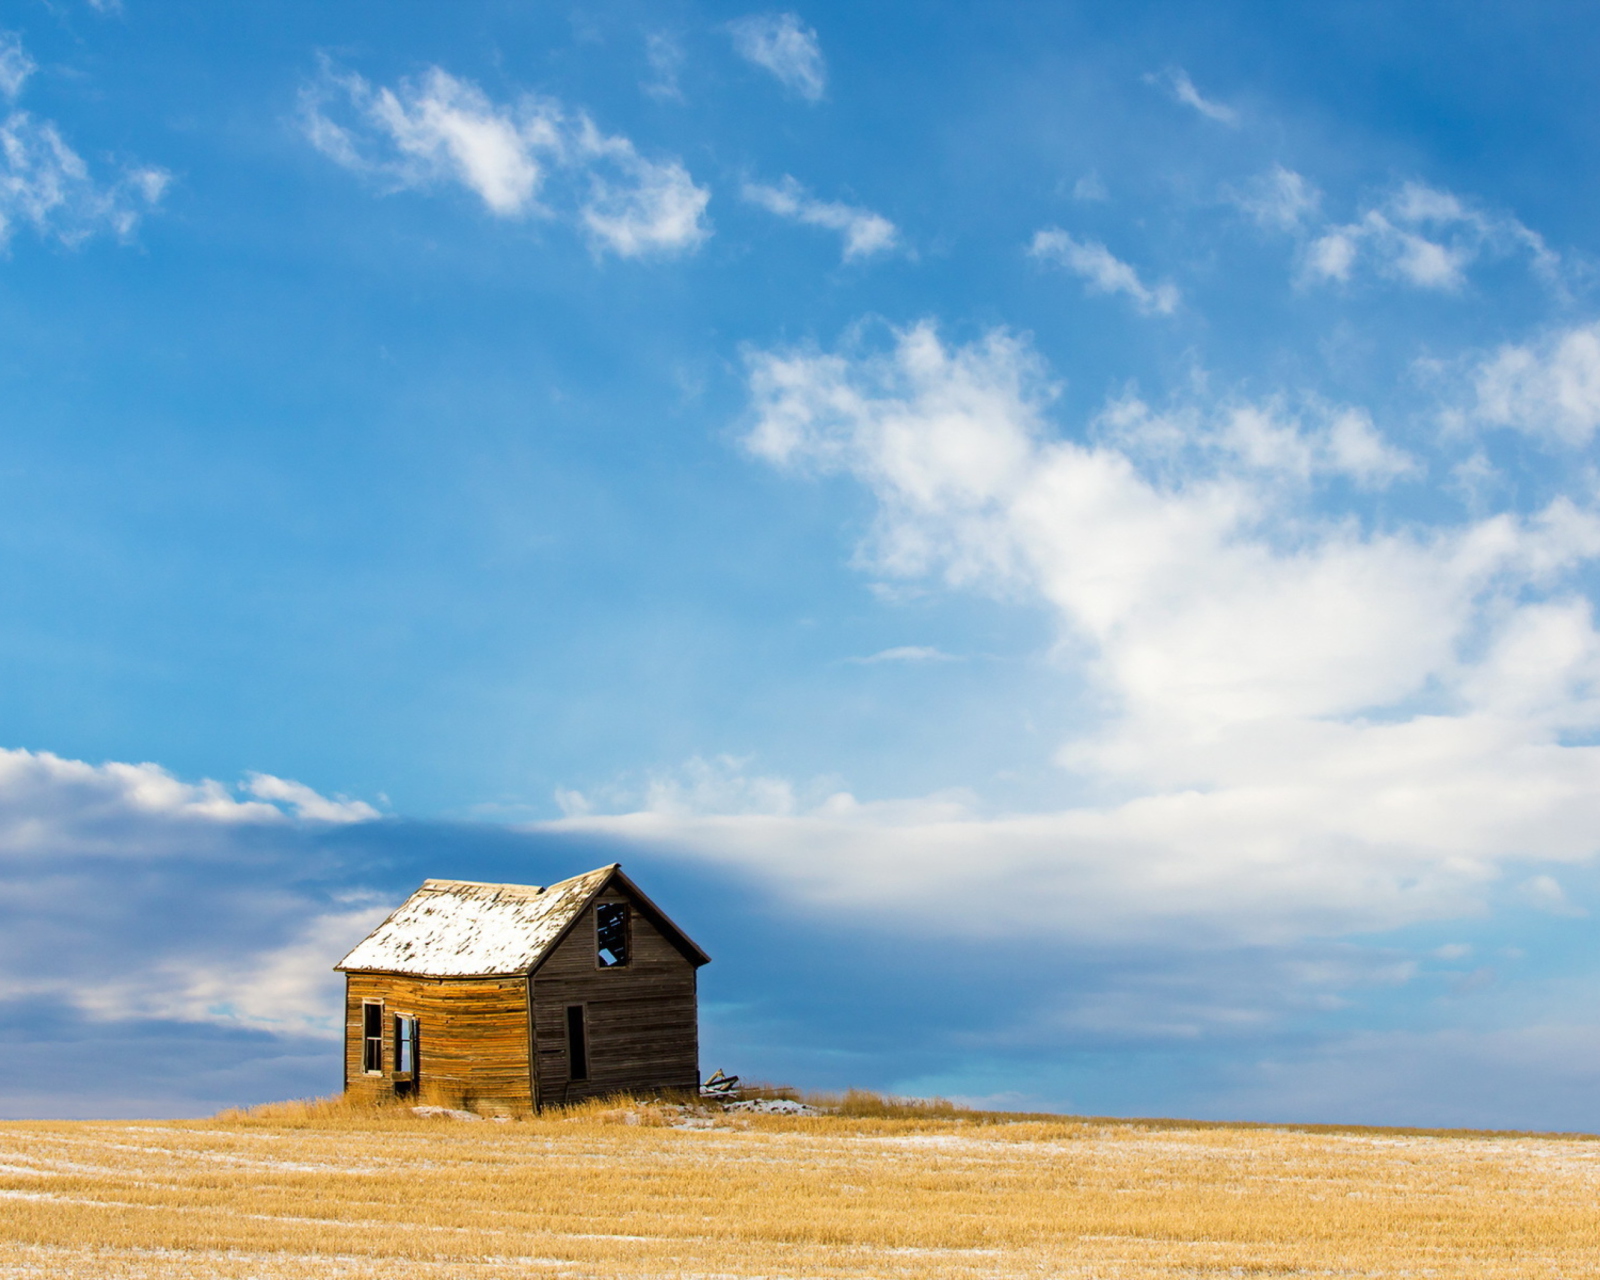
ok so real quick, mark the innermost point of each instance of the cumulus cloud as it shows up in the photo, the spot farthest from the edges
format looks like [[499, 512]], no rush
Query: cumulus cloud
[[1549, 389], [864, 232], [47, 185], [1176, 81], [1309, 726], [130, 893], [781, 44], [439, 130], [1102, 271]]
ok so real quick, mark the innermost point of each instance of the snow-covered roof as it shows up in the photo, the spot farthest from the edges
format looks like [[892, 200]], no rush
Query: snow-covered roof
[[460, 928]]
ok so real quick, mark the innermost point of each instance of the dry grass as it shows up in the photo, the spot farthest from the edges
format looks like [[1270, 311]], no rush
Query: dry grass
[[883, 1188]]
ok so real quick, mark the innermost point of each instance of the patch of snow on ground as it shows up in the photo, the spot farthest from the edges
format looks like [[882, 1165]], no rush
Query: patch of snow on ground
[[774, 1107], [445, 1113]]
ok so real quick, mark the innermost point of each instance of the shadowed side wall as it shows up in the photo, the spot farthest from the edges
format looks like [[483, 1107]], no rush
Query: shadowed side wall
[[472, 1032], [641, 1018]]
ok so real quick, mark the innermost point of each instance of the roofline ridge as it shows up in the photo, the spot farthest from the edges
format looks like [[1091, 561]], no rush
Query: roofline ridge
[[439, 883]]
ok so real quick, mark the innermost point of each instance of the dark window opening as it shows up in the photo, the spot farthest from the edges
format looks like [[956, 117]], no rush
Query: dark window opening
[[372, 1036], [405, 1045], [611, 934], [577, 1050]]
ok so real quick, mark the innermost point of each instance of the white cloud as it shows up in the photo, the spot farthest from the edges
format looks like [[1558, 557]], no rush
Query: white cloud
[[1354, 448], [440, 130], [1419, 236], [130, 893], [779, 43], [1309, 726], [1549, 389], [15, 64], [446, 128], [865, 233], [636, 207], [1280, 199], [1103, 271], [48, 804], [306, 803], [285, 986], [1090, 187], [718, 785], [912, 653], [664, 52], [1266, 438], [1545, 893], [47, 185], [1176, 81]]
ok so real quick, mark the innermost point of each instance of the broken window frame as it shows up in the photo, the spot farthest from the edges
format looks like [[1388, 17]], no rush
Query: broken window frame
[[609, 934], [372, 1037], [405, 1044]]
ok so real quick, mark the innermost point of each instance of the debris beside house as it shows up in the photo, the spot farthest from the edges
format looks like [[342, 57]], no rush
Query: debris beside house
[[720, 1085]]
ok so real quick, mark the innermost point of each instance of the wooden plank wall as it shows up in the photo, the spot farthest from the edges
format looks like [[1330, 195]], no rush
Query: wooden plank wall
[[642, 1018], [473, 1035]]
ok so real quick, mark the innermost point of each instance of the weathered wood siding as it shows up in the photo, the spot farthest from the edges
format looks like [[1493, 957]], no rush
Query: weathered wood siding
[[472, 1033], [641, 1017]]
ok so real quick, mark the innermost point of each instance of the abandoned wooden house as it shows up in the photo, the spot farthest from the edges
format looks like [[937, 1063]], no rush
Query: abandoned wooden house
[[506, 996]]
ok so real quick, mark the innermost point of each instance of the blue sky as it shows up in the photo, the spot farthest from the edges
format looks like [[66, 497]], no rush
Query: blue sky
[[1060, 541]]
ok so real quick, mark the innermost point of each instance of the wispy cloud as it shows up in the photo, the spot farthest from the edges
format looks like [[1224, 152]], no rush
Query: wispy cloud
[[1280, 199], [907, 653], [47, 185], [1415, 234], [439, 130], [1423, 237], [1102, 271], [1268, 439], [15, 64], [781, 44], [637, 206], [719, 784], [1176, 81], [306, 803], [865, 233], [1545, 893], [664, 52], [1090, 187]]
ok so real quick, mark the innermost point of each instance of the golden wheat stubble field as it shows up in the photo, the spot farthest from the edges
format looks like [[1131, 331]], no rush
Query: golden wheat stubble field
[[644, 1190]]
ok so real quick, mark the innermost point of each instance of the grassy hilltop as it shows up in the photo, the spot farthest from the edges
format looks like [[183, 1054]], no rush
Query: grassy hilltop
[[872, 1188]]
